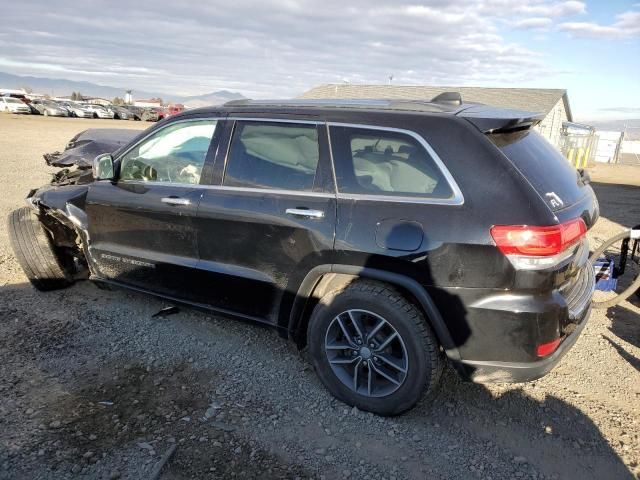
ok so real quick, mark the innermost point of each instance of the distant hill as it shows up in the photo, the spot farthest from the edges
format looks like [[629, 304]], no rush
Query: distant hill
[[59, 87], [630, 126], [214, 98]]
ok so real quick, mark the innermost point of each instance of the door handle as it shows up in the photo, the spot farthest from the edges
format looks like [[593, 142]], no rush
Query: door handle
[[176, 201], [305, 212]]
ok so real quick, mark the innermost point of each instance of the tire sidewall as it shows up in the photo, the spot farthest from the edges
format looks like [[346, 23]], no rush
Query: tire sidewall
[[419, 368]]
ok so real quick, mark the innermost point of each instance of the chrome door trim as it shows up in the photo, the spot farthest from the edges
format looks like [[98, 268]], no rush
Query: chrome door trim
[[275, 120], [457, 199], [272, 191], [199, 186]]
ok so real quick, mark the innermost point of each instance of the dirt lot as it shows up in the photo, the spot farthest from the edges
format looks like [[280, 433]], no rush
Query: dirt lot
[[93, 386]]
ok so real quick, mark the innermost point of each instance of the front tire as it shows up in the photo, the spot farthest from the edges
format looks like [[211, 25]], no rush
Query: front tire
[[372, 348], [35, 251]]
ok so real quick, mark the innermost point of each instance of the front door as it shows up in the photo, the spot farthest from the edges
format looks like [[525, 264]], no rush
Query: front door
[[141, 228], [270, 219]]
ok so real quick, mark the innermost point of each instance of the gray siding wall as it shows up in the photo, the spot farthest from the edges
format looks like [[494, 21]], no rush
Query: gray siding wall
[[551, 126]]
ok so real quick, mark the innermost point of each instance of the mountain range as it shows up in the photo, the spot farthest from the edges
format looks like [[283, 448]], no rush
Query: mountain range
[[630, 127], [59, 87]]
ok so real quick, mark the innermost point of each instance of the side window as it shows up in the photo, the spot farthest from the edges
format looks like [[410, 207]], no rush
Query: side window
[[382, 162], [273, 155], [174, 154]]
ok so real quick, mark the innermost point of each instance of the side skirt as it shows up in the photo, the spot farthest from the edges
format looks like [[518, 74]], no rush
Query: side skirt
[[198, 306]]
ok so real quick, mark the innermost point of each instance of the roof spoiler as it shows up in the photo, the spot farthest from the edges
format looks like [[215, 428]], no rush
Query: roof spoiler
[[499, 120], [448, 98]]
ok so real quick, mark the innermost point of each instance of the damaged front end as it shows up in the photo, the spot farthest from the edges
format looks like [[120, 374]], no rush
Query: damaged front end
[[60, 205], [87, 145], [61, 214], [77, 158]]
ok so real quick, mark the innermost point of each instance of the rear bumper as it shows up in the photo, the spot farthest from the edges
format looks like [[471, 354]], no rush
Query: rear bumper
[[515, 372], [497, 334]]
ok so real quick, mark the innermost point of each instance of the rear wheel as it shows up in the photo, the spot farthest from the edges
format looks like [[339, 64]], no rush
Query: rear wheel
[[372, 348], [35, 252]]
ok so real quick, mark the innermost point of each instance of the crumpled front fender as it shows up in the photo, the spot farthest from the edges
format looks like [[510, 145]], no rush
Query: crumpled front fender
[[66, 204]]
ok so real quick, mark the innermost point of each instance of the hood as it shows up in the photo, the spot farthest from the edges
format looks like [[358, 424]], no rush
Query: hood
[[87, 145]]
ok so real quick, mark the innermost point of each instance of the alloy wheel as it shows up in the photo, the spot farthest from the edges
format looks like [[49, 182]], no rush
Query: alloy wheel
[[366, 353]]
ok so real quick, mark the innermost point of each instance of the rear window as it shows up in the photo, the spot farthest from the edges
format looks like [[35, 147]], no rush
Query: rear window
[[547, 170]]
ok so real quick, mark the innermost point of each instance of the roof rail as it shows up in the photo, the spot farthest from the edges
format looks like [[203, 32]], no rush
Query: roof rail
[[373, 103], [448, 98]]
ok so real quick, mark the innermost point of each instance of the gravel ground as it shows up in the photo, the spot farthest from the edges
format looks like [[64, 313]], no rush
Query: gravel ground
[[93, 386]]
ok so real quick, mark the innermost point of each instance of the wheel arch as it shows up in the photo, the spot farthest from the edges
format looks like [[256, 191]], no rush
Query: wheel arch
[[325, 278]]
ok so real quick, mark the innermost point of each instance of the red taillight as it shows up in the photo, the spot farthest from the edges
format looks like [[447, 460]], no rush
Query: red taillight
[[546, 349], [537, 241]]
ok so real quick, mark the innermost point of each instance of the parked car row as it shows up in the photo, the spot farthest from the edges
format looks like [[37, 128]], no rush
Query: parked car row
[[84, 110]]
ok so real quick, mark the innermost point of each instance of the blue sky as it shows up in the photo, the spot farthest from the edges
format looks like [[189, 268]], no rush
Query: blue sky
[[600, 68], [280, 48]]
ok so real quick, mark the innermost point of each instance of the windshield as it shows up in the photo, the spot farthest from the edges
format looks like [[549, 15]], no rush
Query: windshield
[[543, 166], [11, 100]]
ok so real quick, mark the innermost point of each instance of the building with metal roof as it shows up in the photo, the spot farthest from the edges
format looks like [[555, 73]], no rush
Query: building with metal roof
[[553, 103]]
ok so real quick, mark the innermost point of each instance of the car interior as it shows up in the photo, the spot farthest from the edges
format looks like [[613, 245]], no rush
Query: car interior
[[273, 156]]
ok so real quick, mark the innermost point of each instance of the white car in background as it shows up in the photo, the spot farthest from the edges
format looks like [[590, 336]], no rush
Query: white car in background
[[98, 111], [13, 105]]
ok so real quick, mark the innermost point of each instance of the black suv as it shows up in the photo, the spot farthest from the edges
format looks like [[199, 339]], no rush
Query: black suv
[[384, 236]]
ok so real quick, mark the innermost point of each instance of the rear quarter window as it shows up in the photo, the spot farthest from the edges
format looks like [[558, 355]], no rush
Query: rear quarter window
[[550, 174], [384, 162]]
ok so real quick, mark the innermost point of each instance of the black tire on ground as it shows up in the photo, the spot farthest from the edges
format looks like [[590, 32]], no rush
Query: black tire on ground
[[424, 358], [635, 284], [35, 252]]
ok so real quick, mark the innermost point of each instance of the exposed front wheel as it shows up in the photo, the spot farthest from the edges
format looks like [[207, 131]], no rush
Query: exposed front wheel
[[35, 252], [372, 348]]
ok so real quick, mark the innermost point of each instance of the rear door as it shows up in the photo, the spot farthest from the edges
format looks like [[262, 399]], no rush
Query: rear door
[[269, 218], [141, 229]]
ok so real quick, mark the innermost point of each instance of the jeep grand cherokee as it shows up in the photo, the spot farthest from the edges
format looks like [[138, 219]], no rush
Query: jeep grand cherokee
[[387, 237]]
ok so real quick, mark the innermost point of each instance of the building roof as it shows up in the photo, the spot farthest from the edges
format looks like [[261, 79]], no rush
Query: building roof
[[540, 100]]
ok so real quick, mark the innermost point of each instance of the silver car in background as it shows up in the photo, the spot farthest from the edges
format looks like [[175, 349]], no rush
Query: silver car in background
[[77, 110], [49, 108]]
